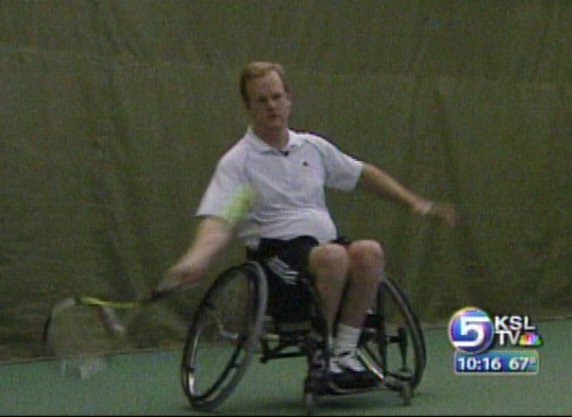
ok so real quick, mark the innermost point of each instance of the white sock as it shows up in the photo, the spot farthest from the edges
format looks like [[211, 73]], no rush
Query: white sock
[[346, 339], [346, 345]]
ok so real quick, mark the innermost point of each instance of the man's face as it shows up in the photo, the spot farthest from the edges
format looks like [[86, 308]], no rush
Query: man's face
[[269, 104]]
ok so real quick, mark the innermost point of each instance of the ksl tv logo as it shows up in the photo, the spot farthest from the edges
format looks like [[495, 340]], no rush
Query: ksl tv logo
[[472, 330]]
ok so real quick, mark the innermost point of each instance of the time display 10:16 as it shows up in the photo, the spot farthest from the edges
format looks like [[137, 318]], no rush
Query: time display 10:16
[[523, 362]]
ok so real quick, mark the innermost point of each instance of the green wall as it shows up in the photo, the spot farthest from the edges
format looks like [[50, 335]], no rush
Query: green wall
[[113, 114]]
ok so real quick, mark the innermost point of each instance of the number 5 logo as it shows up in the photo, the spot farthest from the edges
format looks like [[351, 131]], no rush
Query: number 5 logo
[[471, 330]]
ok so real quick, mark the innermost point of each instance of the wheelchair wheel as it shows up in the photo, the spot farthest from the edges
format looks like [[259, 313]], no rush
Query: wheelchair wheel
[[223, 336], [393, 345]]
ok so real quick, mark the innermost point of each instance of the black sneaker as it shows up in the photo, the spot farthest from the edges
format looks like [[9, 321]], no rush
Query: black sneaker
[[347, 374]]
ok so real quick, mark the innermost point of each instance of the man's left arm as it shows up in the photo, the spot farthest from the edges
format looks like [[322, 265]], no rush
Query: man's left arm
[[375, 180]]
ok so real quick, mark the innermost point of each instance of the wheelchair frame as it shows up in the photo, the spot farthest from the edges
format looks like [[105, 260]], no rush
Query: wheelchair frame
[[256, 332]]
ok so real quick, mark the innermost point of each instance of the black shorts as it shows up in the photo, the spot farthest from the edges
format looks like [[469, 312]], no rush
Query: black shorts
[[285, 263]]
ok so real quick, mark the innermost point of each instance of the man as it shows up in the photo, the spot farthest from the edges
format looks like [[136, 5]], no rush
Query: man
[[288, 225]]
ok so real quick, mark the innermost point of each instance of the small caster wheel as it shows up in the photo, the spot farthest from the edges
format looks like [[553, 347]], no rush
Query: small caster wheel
[[406, 394]]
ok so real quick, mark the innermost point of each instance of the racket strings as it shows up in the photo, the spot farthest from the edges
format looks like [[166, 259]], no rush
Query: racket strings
[[111, 321], [78, 331], [81, 331], [83, 336]]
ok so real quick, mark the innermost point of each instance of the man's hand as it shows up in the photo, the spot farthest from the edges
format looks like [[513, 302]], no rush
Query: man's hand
[[212, 237], [444, 212], [181, 275]]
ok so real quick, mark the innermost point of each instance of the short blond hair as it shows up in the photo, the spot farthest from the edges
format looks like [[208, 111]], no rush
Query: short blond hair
[[259, 69]]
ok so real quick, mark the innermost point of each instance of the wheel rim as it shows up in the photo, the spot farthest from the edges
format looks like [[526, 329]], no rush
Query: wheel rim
[[220, 343]]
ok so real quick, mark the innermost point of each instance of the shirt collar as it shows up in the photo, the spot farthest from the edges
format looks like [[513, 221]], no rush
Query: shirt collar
[[294, 141]]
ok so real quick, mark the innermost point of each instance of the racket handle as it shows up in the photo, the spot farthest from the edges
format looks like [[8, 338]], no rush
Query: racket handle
[[111, 321]]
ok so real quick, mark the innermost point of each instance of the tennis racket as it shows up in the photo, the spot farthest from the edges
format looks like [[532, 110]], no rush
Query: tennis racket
[[82, 332]]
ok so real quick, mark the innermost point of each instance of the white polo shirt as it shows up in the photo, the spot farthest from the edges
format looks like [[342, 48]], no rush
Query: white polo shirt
[[290, 196]]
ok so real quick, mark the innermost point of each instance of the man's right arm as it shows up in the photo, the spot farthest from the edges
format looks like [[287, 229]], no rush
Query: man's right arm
[[212, 237]]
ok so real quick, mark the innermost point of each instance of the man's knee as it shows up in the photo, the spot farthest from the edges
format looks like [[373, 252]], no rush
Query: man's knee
[[329, 258], [366, 255]]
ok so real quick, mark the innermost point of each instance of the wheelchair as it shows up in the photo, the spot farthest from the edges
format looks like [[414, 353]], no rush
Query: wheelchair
[[231, 326]]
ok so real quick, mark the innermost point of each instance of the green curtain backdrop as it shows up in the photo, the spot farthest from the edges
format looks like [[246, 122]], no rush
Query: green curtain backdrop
[[113, 114]]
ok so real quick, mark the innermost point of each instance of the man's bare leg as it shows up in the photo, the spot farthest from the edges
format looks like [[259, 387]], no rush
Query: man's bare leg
[[329, 264], [366, 261]]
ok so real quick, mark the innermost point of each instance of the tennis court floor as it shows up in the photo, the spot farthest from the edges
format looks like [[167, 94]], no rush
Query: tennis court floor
[[148, 384]]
